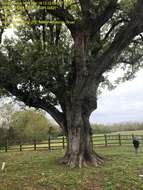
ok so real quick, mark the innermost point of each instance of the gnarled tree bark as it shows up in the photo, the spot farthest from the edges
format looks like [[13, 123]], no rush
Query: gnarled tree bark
[[79, 146]]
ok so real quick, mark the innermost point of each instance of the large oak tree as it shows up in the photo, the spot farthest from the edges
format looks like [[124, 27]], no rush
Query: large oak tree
[[63, 65]]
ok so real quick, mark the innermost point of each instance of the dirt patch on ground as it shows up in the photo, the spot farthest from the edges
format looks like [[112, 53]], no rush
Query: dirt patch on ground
[[91, 185]]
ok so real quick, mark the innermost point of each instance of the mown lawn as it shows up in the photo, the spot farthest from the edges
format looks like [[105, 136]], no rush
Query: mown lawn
[[29, 170]]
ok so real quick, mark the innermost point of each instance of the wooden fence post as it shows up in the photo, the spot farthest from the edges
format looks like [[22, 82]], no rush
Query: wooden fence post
[[106, 143], [6, 145], [63, 142], [120, 143], [20, 146], [49, 142], [34, 144], [119, 139]]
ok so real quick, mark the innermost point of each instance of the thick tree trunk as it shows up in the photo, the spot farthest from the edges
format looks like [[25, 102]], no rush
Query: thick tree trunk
[[80, 101], [79, 146]]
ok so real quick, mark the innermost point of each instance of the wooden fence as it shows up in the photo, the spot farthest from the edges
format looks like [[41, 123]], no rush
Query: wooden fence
[[54, 143]]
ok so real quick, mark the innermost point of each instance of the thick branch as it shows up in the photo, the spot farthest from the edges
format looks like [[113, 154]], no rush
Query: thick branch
[[86, 6], [102, 18], [1, 32], [122, 39], [114, 25], [63, 15], [36, 102], [93, 20]]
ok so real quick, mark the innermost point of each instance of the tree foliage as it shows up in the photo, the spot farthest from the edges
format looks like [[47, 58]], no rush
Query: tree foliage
[[26, 126], [29, 126]]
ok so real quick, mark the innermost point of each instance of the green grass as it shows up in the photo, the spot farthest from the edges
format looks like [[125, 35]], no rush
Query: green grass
[[29, 170], [137, 132]]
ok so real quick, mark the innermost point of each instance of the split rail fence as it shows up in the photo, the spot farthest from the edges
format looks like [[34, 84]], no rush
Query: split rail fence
[[55, 143]]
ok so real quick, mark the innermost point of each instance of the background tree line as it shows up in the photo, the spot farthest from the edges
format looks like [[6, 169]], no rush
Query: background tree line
[[26, 126], [29, 125], [102, 129]]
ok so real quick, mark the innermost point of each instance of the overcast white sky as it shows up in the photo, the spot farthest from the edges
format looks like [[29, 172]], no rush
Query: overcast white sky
[[123, 104]]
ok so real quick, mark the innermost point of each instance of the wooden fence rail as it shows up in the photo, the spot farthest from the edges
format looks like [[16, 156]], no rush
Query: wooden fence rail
[[60, 142]]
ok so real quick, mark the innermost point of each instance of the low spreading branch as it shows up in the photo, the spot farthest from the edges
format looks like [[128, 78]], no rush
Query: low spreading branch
[[37, 102]]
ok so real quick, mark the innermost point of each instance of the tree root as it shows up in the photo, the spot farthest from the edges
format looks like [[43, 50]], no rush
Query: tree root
[[73, 160]]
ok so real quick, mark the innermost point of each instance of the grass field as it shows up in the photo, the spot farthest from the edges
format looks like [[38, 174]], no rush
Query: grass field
[[138, 132], [40, 170]]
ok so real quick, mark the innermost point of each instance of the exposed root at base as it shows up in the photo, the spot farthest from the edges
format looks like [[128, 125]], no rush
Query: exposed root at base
[[75, 160]]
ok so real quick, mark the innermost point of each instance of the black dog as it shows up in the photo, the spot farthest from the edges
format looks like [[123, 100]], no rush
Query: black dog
[[136, 144]]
